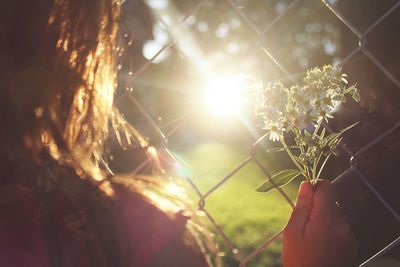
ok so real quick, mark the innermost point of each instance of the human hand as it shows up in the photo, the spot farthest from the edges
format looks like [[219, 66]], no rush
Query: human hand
[[317, 234]]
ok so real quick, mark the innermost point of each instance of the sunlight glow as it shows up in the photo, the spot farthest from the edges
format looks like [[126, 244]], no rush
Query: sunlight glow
[[225, 95], [152, 151], [173, 189]]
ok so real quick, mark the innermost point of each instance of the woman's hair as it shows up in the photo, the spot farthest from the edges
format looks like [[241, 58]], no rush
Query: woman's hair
[[59, 82]]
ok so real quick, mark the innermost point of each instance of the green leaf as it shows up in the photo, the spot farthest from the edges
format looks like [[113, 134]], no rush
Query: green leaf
[[337, 98], [331, 138], [298, 159], [356, 96], [322, 133], [334, 136], [280, 179], [307, 133]]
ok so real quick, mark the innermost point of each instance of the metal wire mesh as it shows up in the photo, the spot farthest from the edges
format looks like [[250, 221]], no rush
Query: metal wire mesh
[[352, 169]]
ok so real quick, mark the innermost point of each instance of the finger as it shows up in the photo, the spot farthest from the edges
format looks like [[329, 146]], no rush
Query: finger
[[324, 207], [301, 211]]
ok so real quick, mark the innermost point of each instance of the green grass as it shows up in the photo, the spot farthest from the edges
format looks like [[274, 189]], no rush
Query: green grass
[[248, 218]]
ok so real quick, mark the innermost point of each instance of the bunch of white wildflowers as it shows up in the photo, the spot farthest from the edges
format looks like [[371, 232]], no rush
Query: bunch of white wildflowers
[[271, 103], [301, 109]]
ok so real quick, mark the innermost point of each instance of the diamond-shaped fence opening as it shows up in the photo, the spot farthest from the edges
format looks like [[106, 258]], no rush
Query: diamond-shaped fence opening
[[261, 33]]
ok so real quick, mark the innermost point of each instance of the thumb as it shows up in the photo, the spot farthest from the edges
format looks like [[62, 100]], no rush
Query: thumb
[[301, 211], [324, 208]]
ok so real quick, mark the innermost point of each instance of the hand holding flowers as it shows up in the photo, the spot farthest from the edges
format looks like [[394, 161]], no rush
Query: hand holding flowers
[[302, 110]]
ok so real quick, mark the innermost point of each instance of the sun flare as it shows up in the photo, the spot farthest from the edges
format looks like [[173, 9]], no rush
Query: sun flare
[[225, 96]]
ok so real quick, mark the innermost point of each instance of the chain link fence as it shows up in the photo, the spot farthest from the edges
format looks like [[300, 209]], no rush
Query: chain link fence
[[353, 169]]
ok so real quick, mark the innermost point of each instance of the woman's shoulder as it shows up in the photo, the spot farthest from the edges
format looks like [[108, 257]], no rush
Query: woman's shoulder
[[160, 228], [157, 230], [130, 229]]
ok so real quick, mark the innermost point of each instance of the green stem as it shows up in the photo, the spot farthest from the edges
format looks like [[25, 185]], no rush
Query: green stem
[[317, 127], [302, 169], [314, 170], [308, 176], [298, 133], [323, 165], [316, 162], [306, 168]]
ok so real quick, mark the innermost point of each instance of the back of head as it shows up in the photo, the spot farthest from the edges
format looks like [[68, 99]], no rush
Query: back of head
[[58, 80]]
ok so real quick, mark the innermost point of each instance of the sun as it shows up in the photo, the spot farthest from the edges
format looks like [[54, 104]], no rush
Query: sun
[[224, 96]]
